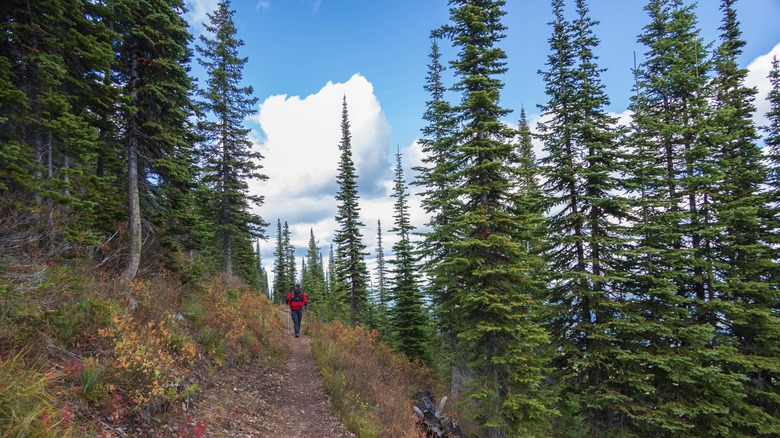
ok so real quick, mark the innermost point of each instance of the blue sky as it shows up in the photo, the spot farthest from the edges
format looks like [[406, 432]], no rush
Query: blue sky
[[305, 55]]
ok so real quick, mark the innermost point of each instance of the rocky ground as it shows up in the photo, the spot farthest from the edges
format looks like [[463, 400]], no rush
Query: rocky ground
[[248, 402]]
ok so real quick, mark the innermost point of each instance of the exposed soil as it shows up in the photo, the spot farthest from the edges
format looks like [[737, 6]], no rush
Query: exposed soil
[[248, 402]]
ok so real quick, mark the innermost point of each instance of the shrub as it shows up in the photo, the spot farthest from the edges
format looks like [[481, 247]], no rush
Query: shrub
[[236, 325], [371, 386], [145, 359]]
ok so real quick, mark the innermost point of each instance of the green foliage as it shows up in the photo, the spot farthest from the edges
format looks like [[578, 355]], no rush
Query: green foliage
[[91, 380], [75, 323], [491, 277], [28, 404], [226, 149], [408, 318], [351, 274]]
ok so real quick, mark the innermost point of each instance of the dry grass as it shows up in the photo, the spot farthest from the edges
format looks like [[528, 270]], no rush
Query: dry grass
[[120, 353], [371, 386]]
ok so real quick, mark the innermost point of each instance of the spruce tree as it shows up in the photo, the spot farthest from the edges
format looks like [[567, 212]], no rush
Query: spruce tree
[[280, 266], [435, 177], [152, 69], [288, 257], [493, 299], [772, 142], [262, 277], [745, 260], [53, 90], [227, 150], [671, 285], [351, 272], [313, 280], [383, 296], [409, 322], [584, 240]]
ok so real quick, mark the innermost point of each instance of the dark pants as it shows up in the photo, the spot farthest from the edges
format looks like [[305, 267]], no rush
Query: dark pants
[[296, 317]]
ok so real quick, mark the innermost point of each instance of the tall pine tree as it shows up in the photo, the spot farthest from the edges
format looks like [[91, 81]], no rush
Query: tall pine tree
[[745, 260], [493, 296], [669, 337], [152, 68], [435, 177], [351, 272], [584, 239], [227, 150], [408, 319]]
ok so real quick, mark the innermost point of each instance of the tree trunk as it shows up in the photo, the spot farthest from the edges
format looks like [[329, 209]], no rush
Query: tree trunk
[[134, 204], [134, 209]]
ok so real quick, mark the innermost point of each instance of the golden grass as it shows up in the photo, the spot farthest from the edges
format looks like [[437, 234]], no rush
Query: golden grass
[[371, 387]]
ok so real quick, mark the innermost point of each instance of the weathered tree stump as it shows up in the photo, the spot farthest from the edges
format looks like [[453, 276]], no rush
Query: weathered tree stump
[[431, 419]]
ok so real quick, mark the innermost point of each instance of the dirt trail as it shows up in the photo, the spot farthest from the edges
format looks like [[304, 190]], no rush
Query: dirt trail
[[247, 402]]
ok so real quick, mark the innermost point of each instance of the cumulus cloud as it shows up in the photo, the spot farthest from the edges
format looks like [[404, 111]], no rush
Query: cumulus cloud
[[758, 76], [197, 13], [299, 139]]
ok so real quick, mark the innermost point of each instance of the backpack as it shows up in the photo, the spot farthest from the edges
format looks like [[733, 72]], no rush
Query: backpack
[[297, 296]]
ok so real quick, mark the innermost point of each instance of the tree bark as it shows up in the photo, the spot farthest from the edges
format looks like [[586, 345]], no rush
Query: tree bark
[[134, 204], [134, 210]]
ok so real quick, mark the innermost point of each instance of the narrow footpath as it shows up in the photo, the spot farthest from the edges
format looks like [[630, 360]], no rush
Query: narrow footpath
[[246, 402]]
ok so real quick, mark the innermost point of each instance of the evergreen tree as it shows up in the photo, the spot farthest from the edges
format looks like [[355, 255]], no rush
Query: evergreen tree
[[351, 272], [313, 280], [383, 296], [585, 242], [409, 325], [152, 68], [671, 285], [262, 278], [744, 256], [280, 266], [52, 65], [493, 298], [439, 202], [772, 141], [229, 159], [290, 269]]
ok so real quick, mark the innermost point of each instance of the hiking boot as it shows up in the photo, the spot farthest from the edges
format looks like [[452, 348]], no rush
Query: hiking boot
[[297, 335]]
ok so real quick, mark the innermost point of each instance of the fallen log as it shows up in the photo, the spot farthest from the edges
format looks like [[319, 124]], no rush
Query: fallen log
[[431, 419]]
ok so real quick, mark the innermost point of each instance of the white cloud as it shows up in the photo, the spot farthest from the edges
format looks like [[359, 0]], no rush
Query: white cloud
[[300, 142], [262, 4], [758, 76], [197, 14]]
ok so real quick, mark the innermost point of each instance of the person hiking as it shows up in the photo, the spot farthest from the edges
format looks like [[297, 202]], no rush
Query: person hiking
[[297, 301]]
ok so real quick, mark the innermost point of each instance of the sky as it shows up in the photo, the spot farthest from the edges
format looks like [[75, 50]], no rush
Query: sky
[[305, 56]]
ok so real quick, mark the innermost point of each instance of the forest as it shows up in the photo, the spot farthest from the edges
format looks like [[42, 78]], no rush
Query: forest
[[625, 283]]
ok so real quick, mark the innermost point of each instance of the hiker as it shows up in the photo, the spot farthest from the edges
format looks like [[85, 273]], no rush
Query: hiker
[[297, 301]]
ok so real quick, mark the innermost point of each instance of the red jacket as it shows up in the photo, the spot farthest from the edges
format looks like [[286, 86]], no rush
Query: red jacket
[[296, 305]]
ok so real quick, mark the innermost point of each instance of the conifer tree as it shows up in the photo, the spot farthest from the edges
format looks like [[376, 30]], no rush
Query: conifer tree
[[493, 298], [152, 69], [744, 255], [351, 272], [584, 241], [313, 280], [409, 322], [289, 260], [435, 177], [280, 265], [229, 159], [772, 141], [381, 280], [57, 54], [262, 274], [671, 284]]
